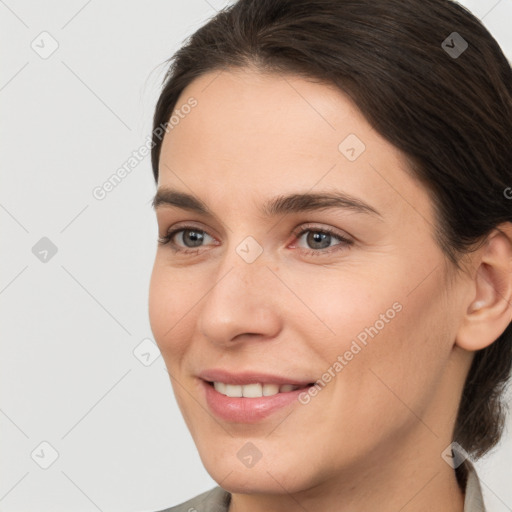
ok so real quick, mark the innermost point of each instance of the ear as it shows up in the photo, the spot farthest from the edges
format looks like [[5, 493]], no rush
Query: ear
[[489, 310]]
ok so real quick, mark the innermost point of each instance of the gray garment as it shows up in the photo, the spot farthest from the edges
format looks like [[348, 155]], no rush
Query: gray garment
[[214, 500], [474, 501], [217, 499]]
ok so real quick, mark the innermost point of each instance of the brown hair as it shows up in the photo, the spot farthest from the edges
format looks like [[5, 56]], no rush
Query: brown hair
[[449, 112]]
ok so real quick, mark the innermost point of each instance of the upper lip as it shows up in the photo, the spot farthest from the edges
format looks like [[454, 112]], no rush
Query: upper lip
[[249, 377]]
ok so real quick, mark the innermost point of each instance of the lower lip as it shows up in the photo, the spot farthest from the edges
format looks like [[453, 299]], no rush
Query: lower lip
[[247, 410]]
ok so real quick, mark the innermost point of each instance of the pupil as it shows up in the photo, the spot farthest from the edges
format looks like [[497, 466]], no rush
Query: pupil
[[194, 236], [324, 239]]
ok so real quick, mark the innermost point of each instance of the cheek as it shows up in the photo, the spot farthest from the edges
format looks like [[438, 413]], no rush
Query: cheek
[[391, 304], [171, 309], [341, 304], [391, 340]]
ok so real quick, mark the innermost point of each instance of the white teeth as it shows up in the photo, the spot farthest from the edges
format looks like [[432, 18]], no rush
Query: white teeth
[[252, 390], [233, 390], [220, 387], [255, 390], [270, 389], [287, 387]]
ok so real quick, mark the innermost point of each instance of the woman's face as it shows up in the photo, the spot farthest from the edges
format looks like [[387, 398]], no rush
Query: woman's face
[[304, 253]]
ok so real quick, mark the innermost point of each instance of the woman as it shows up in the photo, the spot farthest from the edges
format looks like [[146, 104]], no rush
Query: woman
[[333, 281]]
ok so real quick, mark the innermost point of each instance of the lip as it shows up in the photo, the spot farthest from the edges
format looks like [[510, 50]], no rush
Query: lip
[[247, 410]]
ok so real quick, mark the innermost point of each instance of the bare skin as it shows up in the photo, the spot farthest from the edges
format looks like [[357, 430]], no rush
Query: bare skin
[[372, 438]]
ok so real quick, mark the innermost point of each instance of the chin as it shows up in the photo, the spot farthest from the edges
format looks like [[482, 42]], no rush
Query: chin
[[265, 477]]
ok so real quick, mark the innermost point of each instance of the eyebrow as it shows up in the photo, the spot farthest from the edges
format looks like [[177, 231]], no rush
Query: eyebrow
[[279, 205]]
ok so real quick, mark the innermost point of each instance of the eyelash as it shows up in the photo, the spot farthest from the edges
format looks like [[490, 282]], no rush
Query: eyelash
[[344, 242], [166, 240]]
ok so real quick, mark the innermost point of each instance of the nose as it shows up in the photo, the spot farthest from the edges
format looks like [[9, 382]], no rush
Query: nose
[[242, 304]]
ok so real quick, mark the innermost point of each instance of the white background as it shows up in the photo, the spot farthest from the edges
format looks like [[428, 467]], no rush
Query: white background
[[69, 326]]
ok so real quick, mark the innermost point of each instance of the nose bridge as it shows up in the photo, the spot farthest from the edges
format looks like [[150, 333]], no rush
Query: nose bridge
[[244, 268], [240, 300]]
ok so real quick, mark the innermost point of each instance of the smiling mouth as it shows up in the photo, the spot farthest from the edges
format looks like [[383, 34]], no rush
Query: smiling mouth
[[254, 390]]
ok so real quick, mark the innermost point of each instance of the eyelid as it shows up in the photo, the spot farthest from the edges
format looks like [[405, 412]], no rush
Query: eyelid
[[304, 228], [175, 229], [342, 246], [177, 226]]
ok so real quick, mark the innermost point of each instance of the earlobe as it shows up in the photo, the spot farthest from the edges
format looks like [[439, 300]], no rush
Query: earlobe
[[489, 311]]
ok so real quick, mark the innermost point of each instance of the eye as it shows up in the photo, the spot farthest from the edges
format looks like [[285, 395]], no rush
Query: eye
[[185, 239], [310, 240], [320, 240]]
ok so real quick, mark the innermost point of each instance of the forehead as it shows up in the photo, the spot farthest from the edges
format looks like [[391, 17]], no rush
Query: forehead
[[240, 110], [258, 133]]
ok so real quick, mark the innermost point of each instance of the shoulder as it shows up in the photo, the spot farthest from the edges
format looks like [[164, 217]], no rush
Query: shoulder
[[214, 500]]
